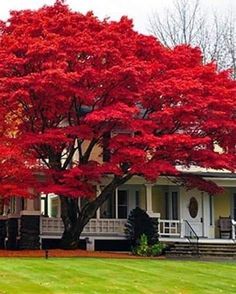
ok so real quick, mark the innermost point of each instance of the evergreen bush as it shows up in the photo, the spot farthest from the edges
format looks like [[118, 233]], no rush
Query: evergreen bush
[[140, 223]]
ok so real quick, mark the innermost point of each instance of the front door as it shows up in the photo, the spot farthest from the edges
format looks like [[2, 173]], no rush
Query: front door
[[192, 209]]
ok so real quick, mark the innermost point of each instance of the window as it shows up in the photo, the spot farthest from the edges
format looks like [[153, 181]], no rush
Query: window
[[122, 204], [166, 205], [174, 199], [107, 210], [13, 205], [22, 204], [172, 205], [55, 207], [234, 206], [211, 212]]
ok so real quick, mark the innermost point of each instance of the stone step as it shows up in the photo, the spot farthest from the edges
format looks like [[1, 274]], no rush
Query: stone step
[[203, 252], [203, 257], [205, 244], [206, 248], [190, 254]]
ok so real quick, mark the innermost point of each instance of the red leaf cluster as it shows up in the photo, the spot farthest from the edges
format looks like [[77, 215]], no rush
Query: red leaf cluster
[[71, 84]]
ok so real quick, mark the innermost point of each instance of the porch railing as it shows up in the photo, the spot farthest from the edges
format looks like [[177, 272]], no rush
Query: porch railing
[[171, 228], [105, 226], [54, 226], [51, 226]]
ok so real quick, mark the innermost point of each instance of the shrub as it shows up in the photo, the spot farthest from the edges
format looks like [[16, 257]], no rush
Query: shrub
[[140, 223], [143, 249], [156, 249]]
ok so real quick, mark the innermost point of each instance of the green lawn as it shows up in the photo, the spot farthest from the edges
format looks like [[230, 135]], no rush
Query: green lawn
[[90, 275]]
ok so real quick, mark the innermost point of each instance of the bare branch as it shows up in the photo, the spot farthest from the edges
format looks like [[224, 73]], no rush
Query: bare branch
[[185, 23]]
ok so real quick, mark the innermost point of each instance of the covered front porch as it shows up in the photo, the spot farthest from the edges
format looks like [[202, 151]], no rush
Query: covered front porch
[[181, 214]]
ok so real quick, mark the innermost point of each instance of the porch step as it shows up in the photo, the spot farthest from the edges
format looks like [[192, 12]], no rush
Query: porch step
[[178, 249]]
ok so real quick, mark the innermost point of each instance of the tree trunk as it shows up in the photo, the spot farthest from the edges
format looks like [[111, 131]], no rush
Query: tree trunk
[[75, 219], [70, 237], [72, 225]]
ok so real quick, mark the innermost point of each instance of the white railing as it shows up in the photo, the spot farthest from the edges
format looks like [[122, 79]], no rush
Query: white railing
[[51, 226], [54, 226], [105, 226], [169, 228], [233, 229]]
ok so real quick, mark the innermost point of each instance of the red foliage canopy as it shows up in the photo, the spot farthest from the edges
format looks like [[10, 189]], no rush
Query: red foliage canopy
[[70, 83]]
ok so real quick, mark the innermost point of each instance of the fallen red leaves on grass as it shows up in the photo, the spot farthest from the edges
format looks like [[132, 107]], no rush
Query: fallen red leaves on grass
[[66, 253]]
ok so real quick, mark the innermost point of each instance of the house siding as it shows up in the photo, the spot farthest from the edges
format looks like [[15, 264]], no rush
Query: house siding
[[158, 201], [142, 203], [222, 207]]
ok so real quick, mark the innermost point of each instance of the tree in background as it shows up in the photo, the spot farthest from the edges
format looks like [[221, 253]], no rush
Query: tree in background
[[71, 84], [185, 23]]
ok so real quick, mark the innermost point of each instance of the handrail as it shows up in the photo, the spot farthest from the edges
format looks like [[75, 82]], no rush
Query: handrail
[[192, 235]]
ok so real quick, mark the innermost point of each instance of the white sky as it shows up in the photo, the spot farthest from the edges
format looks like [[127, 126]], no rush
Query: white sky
[[139, 10]]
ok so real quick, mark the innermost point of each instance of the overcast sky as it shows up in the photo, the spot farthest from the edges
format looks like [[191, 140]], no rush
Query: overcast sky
[[139, 10]]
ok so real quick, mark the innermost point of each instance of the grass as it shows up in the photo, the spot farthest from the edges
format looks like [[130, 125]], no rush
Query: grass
[[91, 275]]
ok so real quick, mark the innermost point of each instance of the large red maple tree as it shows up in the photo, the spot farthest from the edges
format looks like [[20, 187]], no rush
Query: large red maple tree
[[70, 83]]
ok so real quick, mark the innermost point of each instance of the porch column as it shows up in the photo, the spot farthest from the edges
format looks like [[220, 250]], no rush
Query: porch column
[[116, 203], [206, 215], [30, 225], [49, 205], [149, 199], [182, 228], [233, 229], [98, 191]]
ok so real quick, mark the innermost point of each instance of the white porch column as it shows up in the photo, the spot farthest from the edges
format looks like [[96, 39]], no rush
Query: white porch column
[[182, 228], [49, 206], [98, 191], [206, 215], [149, 209], [116, 203], [233, 229], [149, 199]]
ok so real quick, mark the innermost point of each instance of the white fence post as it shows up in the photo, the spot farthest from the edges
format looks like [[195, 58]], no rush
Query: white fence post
[[182, 229], [233, 229]]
